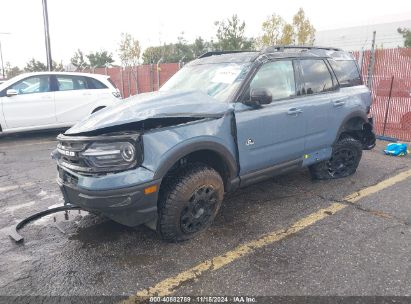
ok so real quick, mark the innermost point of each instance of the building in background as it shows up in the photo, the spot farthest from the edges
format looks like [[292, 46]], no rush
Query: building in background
[[359, 37]]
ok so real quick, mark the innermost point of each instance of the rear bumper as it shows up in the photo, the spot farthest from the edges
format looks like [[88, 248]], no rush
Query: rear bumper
[[128, 206]]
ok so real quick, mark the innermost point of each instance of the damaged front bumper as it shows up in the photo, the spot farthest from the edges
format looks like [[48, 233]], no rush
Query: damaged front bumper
[[117, 190], [130, 206]]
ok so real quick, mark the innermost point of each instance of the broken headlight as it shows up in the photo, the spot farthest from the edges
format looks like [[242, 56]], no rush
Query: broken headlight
[[107, 155], [100, 154]]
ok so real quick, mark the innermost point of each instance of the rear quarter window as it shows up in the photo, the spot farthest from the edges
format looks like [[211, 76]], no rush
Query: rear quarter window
[[112, 82], [347, 72], [317, 77], [95, 84]]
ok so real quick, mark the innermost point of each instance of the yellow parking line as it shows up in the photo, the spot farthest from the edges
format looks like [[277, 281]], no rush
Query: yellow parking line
[[356, 196], [169, 285]]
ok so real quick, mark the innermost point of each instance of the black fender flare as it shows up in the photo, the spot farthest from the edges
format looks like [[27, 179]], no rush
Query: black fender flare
[[343, 127], [187, 149]]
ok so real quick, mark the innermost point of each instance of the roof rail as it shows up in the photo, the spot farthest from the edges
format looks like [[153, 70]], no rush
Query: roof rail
[[279, 48], [212, 53]]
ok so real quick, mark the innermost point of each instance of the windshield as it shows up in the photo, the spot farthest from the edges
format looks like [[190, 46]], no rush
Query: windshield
[[218, 80]]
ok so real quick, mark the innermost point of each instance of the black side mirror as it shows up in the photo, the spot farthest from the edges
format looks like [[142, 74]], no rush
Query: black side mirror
[[258, 97]]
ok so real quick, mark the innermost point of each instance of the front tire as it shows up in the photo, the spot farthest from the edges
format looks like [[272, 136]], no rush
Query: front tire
[[344, 160], [189, 202]]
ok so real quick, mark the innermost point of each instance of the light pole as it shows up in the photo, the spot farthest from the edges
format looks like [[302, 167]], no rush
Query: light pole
[[47, 35], [1, 56], [2, 64]]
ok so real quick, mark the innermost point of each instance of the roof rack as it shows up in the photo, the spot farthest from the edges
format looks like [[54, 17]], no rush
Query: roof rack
[[212, 53], [280, 48]]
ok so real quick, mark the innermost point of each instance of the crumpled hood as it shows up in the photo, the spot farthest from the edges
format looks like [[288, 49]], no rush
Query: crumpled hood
[[153, 105]]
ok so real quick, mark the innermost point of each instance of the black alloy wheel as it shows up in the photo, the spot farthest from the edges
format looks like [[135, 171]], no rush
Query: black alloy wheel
[[201, 207]]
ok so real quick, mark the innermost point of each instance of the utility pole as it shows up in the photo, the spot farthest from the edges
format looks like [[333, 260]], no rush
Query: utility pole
[[2, 63], [371, 64], [1, 56], [47, 35]]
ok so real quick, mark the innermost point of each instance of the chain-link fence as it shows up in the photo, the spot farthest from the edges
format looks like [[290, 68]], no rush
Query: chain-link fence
[[392, 106], [138, 79], [391, 90]]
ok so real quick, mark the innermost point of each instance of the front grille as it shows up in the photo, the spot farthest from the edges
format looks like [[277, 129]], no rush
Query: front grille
[[70, 158]]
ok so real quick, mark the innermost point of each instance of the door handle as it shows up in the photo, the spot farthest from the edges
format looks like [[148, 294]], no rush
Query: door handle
[[339, 103], [294, 111]]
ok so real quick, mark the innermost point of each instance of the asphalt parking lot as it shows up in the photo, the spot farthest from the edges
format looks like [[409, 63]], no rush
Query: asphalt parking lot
[[360, 247]]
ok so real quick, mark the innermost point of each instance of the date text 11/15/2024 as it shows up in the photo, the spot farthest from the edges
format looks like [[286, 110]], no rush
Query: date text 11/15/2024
[[203, 299]]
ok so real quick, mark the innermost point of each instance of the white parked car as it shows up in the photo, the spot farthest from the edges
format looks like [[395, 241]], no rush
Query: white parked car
[[46, 100]]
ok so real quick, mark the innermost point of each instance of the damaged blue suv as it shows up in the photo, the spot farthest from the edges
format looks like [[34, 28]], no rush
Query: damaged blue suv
[[224, 121]]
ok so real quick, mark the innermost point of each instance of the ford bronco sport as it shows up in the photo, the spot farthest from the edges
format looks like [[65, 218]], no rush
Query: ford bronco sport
[[225, 120]]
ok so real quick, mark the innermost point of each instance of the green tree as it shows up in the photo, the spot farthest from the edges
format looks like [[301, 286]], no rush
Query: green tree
[[199, 47], [406, 34], [304, 31], [182, 50], [287, 37], [273, 30], [12, 71], [100, 59], [129, 50], [230, 35], [35, 66], [58, 67], [172, 52], [79, 61], [153, 54], [277, 31]]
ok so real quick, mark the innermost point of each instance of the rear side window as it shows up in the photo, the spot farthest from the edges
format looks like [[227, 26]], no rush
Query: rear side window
[[317, 77], [95, 84], [347, 72], [69, 83]]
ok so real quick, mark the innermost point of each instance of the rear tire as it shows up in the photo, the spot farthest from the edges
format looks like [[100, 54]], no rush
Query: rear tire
[[189, 202], [344, 160]]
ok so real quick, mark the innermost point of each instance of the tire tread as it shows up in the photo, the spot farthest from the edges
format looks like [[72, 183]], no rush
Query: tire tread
[[320, 171], [168, 198]]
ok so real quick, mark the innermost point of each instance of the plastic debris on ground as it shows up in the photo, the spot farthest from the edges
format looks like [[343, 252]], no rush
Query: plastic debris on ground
[[396, 149]]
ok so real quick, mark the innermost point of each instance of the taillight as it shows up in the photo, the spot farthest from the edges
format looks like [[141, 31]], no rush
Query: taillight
[[116, 94]]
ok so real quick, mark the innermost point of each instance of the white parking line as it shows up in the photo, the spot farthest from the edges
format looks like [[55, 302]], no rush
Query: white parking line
[[11, 209], [8, 188], [14, 187], [29, 144]]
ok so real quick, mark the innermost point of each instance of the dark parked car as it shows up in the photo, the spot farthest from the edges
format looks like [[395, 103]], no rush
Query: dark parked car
[[226, 120]]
